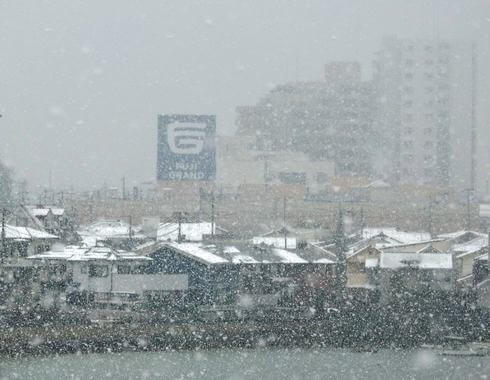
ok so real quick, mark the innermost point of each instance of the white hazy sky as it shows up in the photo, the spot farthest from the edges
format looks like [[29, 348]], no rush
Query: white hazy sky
[[81, 82]]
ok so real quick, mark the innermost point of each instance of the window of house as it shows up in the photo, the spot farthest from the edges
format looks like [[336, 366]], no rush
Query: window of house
[[98, 270], [124, 269]]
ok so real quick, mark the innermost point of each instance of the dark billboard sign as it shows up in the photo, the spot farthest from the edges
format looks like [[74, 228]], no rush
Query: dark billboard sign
[[186, 148]]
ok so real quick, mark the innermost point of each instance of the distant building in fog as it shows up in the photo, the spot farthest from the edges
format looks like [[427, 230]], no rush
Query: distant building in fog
[[425, 100], [241, 163], [327, 121]]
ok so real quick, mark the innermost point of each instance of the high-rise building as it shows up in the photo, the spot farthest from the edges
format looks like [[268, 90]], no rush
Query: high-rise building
[[327, 120], [426, 111]]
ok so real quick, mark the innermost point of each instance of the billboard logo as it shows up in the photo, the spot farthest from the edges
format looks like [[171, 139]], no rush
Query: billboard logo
[[186, 138], [186, 148]]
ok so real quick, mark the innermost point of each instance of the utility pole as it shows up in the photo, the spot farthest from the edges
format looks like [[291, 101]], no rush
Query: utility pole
[[123, 183], [179, 220], [468, 209], [284, 223], [212, 214], [429, 224], [340, 250], [362, 221], [130, 230], [4, 245]]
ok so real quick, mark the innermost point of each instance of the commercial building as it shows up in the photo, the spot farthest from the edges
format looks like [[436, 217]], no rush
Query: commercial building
[[327, 121], [426, 111]]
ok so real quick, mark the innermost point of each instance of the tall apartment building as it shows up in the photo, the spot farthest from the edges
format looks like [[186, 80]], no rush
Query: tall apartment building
[[327, 120], [426, 111]]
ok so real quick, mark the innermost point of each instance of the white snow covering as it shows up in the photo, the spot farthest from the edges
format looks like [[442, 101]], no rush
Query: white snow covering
[[403, 237], [196, 251], [288, 257], [471, 246], [243, 259], [107, 229], [26, 233], [191, 231], [392, 260], [44, 211], [77, 253], [277, 242], [323, 261]]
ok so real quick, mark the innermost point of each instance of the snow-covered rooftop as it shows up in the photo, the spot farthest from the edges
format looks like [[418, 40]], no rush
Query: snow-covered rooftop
[[277, 242], [109, 229], [199, 253], [244, 254], [45, 211], [26, 233], [398, 236], [397, 260], [77, 253], [191, 231]]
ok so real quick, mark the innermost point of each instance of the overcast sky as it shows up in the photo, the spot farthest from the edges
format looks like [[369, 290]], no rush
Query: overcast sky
[[82, 82]]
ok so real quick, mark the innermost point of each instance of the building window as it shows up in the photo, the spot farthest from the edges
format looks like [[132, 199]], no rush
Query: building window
[[428, 145], [98, 270], [84, 269], [123, 269]]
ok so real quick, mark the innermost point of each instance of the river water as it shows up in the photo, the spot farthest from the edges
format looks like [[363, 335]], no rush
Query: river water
[[262, 363]]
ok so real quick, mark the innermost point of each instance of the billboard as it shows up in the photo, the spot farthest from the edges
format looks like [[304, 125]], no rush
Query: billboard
[[186, 148]]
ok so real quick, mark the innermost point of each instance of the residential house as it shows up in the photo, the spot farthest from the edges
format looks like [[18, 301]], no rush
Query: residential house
[[239, 280], [402, 271], [103, 280], [16, 272]]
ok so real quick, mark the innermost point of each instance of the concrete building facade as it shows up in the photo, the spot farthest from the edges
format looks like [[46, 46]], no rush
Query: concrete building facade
[[426, 111], [327, 120]]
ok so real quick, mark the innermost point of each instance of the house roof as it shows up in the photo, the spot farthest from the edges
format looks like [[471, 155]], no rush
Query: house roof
[[399, 237], [483, 257], [462, 235], [191, 231], [397, 260], [26, 233], [109, 229], [77, 253], [45, 211], [244, 254], [277, 242], [471, 245]]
